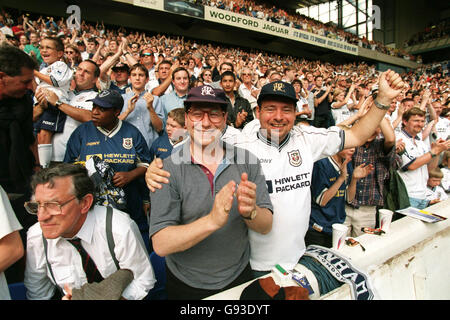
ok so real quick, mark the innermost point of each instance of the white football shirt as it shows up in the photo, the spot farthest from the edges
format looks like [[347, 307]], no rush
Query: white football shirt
[[288, 169]]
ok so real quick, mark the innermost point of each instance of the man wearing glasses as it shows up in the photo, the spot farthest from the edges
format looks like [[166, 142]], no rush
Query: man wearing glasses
[[147, 59], [200, 220], [63, 202], [287, 154], [247, 90]]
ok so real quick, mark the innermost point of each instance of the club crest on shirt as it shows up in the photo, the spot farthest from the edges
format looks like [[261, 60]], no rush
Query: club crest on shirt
[[295, 159], [127, 143]]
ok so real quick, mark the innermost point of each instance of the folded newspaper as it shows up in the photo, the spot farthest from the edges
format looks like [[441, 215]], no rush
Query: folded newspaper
[[421, 214]]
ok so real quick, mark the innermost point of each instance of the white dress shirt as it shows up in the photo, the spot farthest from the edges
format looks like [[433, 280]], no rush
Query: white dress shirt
[[8, 224], [66, 261]]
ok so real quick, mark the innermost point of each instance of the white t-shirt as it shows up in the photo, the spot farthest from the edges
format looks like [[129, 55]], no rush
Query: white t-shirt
[[436, 193], [59, 141], [443, 128], [446, 179], [8, 224], [288, 169], [340, 114], [152, 84], [251, 127], [247, 94], [61, 76]]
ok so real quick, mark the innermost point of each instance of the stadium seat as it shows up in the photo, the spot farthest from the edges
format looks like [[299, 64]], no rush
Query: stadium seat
[[159, 267], [17, 291]]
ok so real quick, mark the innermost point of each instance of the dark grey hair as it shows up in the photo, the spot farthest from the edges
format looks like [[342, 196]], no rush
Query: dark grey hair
[[12, 60], [81, 183]]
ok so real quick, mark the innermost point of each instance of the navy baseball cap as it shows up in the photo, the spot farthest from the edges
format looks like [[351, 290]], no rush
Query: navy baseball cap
[[108, 99], [277, 89], [206, 94]]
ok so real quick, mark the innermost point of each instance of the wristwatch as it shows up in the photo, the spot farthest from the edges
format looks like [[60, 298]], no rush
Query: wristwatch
[[381, 106], [58, 104], [251, 216], [432, 154]]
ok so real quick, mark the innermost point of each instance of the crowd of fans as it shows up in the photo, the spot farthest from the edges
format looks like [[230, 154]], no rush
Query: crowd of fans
[[302, 22], [154, 72], [432, 32]]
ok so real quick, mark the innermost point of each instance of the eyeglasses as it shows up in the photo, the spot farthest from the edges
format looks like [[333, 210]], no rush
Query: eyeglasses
[[184, 63], [215, 116], [246, 74], [146, 54], [52, 208]]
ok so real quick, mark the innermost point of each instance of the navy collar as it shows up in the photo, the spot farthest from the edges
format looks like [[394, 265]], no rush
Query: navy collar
[[410, 136], [272, 143], [81, 91]]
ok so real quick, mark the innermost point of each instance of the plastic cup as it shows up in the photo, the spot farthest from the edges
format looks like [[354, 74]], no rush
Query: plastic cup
[[339, 235], [384, 219]]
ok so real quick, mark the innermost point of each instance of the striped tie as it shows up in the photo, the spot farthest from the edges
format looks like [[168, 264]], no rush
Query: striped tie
[[89, 267]]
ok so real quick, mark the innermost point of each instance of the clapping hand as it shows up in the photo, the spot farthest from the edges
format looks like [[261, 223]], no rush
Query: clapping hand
[[222, 204], [246, 196], [362, 171]]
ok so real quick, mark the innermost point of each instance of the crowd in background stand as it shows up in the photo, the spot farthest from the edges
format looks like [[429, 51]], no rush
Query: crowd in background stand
[[433, 31]]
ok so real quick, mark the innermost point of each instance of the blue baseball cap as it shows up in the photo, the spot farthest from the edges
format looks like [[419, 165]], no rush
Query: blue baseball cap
[[277, 89], [206, 94], [108, 99]]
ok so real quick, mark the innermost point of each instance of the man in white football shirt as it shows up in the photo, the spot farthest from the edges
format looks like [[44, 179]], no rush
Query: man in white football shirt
[[287, 155], [78, 108]]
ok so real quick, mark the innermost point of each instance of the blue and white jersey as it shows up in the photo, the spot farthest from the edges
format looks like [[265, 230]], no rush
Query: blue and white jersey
[[124, 148], [288, 170], [325, 173]]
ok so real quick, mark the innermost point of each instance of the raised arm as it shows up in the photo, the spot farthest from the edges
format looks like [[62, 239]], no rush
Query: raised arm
[[390, 85]]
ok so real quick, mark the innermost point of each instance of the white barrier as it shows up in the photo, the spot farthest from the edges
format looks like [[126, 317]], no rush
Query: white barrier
[[411, 262]]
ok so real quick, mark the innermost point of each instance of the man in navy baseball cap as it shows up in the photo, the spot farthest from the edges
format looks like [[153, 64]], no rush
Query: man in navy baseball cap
[[276, 110], [108, 99], [206, 96], [278, 89]]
